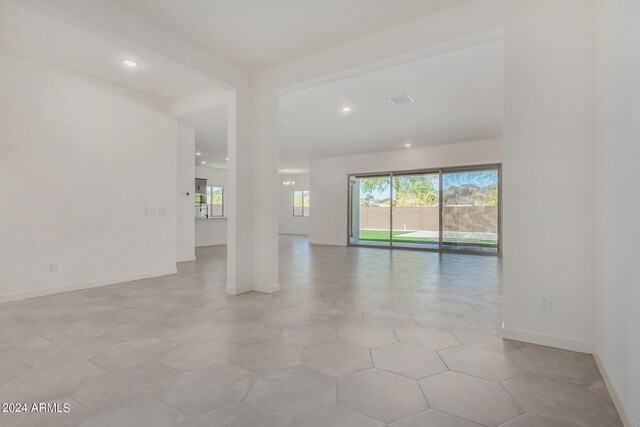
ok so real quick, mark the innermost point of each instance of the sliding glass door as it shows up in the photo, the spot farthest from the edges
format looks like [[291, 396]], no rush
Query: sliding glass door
[[415, 216], [370, 220], [453, 210], [470, 210]]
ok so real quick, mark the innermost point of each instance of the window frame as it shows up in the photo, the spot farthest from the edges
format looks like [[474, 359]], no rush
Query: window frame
[[210, 205], [441, 171], [304, 208]]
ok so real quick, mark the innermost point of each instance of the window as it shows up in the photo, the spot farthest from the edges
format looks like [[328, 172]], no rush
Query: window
[[215, 201], [301, 203]]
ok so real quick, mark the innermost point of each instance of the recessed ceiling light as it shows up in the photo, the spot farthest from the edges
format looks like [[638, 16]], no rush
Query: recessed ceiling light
[[130, 63], [204, 163], [407, 145], [197, 154], [346, 109], [227, 159]]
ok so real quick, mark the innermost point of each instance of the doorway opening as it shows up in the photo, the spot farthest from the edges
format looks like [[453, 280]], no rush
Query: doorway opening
[[445, 210]]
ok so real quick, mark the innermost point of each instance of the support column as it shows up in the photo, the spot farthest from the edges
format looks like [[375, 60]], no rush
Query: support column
[[252, 224], [239, 195], [266, 187]]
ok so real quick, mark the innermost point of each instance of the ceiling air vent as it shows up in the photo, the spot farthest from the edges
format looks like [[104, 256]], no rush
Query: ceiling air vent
[[400, 99]]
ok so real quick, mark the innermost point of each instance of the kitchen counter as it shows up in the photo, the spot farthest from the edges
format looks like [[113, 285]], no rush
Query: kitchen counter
[[211, 231]]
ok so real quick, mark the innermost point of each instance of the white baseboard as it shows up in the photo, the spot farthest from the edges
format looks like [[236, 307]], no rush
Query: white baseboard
[[267, 289], [258, 288], [548, 340], [235, 291], [625, 416], [84, 285], [207, 244]]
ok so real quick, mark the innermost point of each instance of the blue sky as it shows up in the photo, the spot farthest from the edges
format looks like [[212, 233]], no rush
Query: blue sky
[[479, 178]]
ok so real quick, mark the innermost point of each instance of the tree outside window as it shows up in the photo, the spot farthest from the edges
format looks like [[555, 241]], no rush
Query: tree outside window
[[215, 201], [301, 203]]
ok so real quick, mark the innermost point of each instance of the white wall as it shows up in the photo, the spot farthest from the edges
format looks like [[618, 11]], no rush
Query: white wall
[[548, 173], [328, 225], [185, 194], [80, 162], [617, 187], [212, 231], [289, 224], [213, 176]]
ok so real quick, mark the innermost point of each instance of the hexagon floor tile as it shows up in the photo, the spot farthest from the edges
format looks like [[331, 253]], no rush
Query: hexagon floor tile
[[489, 339], [381, 395], [234, 315], [338, 318], [487, 364], [579, 368], [222, 359], [533, 420], [248, 333], [387, 319], [408, 307], [337, 358], [431, 418], [562, 400], [307, 334], [145, 412], [470, 398], [333, 416], [200, 354], [429, 338], [268, 356], [240, 414], [121, 386], [437, 320], [289, 392], [407, 360], [208, 388], [368, 337]]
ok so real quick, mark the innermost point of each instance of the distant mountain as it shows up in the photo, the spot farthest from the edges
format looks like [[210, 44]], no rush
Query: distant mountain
[[470, 194]]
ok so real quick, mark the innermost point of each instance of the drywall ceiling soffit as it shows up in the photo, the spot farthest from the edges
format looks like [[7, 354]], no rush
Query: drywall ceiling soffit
[[88, 29], [458, 97], [257, 34]]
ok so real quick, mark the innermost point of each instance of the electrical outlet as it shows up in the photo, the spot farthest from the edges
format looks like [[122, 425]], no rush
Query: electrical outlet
[[162, 211], [150, 211], [544, 304], [55, 268]]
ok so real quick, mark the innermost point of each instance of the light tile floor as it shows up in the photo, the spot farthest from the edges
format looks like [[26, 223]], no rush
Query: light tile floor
[[356, 337]]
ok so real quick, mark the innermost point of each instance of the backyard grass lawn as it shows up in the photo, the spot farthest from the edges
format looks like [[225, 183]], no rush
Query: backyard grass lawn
[[383, 236]]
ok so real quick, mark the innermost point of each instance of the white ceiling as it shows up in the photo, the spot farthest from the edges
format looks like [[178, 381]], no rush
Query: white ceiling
[[211, 137], [458, 97], [33, 33], [257, 34], [458, 94]]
